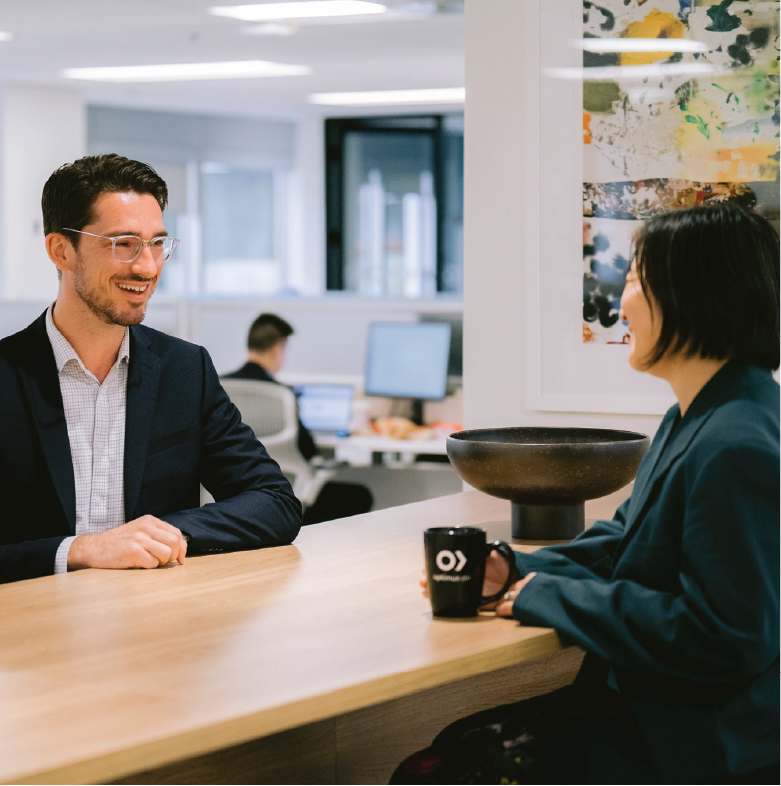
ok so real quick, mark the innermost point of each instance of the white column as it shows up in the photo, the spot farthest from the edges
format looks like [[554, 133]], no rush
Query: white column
[[493, 241], [40, 129]]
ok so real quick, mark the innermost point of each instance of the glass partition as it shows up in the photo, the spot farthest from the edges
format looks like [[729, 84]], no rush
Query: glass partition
[[238, 242], [395, 205]]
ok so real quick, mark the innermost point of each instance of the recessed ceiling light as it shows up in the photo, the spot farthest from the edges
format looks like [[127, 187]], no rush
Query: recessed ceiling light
[[444, 95], [179, 72], [5, 36], [297, 10], [640, 45]]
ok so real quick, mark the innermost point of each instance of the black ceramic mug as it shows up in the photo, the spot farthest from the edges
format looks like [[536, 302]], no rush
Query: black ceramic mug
[[455, 568]]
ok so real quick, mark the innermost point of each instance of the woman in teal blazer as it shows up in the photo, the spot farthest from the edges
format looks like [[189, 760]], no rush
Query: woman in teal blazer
[[676, 599]]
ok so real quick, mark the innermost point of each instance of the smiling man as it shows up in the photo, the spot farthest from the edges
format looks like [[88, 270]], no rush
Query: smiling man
[[108, 428]]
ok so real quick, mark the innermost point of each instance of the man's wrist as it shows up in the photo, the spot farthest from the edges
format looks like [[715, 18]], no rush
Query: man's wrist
[[78, 552]]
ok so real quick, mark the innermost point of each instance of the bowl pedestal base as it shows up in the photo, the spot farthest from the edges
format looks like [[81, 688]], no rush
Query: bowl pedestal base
[[547, 522]]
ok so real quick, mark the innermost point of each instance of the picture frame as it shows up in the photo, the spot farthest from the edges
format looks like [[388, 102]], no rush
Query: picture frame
[[562, 373]]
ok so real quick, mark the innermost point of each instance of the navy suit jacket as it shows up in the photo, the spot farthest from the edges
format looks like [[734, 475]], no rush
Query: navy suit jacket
[[181, 430], [678, 596]]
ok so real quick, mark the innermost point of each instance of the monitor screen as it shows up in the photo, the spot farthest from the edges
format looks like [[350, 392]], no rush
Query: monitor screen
[[325, 407], [407, 360]]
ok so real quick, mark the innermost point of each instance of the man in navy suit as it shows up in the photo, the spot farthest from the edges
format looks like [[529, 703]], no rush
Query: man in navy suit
[[108, 428]]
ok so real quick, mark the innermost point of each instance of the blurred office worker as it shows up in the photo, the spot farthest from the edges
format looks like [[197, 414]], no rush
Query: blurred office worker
[[107, 427], [266, 350]]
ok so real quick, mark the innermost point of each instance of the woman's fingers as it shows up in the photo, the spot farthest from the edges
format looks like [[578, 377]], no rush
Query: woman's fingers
[[505, 606]]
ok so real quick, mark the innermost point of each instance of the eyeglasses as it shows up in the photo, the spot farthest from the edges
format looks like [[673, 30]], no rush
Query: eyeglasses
[[128, 248]]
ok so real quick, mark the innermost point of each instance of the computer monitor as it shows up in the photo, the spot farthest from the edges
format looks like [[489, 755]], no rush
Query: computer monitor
[[408, 360], [325, 408]]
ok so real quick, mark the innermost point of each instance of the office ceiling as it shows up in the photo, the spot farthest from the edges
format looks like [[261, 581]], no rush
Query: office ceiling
[[401, 50]]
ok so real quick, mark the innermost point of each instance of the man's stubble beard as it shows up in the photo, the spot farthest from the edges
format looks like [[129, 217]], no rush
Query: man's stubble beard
[[100, 306]]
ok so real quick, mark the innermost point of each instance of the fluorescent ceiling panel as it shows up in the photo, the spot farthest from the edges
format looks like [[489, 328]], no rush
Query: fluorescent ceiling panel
[[445, 95], [5, 36], [640, 45], [180, 72], [266, 12]]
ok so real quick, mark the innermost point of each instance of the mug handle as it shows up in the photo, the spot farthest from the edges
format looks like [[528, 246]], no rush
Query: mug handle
[[505, 550]]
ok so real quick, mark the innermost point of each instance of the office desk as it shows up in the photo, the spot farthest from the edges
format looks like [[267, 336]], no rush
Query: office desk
[[359, 451], [324, 653]]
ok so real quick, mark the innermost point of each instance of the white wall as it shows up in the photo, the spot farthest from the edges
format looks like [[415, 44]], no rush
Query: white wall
[[501, 134], [40, 130]]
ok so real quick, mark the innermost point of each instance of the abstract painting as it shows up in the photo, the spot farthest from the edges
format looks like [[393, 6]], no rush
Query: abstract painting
[[671, 128]]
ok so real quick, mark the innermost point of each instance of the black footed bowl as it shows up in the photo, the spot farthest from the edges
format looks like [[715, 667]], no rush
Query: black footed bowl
[[547, 473]]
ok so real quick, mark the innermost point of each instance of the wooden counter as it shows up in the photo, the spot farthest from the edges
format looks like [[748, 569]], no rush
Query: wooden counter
[[104, 674]]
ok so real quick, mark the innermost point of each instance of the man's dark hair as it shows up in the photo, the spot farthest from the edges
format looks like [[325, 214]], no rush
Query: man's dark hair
[[713, 270], [70, 193], [266, 331]]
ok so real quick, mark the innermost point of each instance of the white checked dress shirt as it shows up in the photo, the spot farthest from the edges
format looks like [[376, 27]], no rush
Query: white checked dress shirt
[[95, 416]]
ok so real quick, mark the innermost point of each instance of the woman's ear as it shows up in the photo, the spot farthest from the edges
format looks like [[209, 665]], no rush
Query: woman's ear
[[60, 251]]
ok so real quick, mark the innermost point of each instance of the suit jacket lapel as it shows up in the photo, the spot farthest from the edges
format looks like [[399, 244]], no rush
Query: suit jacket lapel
[[142, 383], [39, 378], [648, 470], [669, 447]]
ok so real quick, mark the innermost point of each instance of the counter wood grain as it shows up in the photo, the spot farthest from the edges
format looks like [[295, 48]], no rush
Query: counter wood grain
[[108, 673]]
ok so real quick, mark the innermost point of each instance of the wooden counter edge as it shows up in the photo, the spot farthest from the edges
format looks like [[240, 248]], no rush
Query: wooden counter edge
[[197, 741]]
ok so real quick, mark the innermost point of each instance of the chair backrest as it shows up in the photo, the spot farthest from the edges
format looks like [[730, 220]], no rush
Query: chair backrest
[[269, 409]]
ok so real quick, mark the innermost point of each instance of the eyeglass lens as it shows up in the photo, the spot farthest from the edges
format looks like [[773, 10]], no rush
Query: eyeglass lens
[[129, 247]]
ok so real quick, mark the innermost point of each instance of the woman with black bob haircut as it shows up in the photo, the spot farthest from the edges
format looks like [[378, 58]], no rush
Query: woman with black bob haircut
[[676, 599], [713, 273]]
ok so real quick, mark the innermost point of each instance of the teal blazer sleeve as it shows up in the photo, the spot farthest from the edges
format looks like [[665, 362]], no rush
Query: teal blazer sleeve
[[587, 556]]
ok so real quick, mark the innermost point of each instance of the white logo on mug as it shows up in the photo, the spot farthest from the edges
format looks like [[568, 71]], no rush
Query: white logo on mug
[[446, 560]]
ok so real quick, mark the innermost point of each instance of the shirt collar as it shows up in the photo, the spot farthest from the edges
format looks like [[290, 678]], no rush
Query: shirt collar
[[64, 352]]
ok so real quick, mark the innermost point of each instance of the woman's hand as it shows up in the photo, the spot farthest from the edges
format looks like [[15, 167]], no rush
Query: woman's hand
[[496, 572], [505, 606]]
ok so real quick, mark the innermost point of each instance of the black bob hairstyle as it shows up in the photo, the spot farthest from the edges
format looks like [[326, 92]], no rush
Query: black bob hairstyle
[[71, 191], [713, 272]]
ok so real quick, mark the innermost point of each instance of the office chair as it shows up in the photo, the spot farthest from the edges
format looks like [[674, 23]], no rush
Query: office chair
[[270, 411]]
